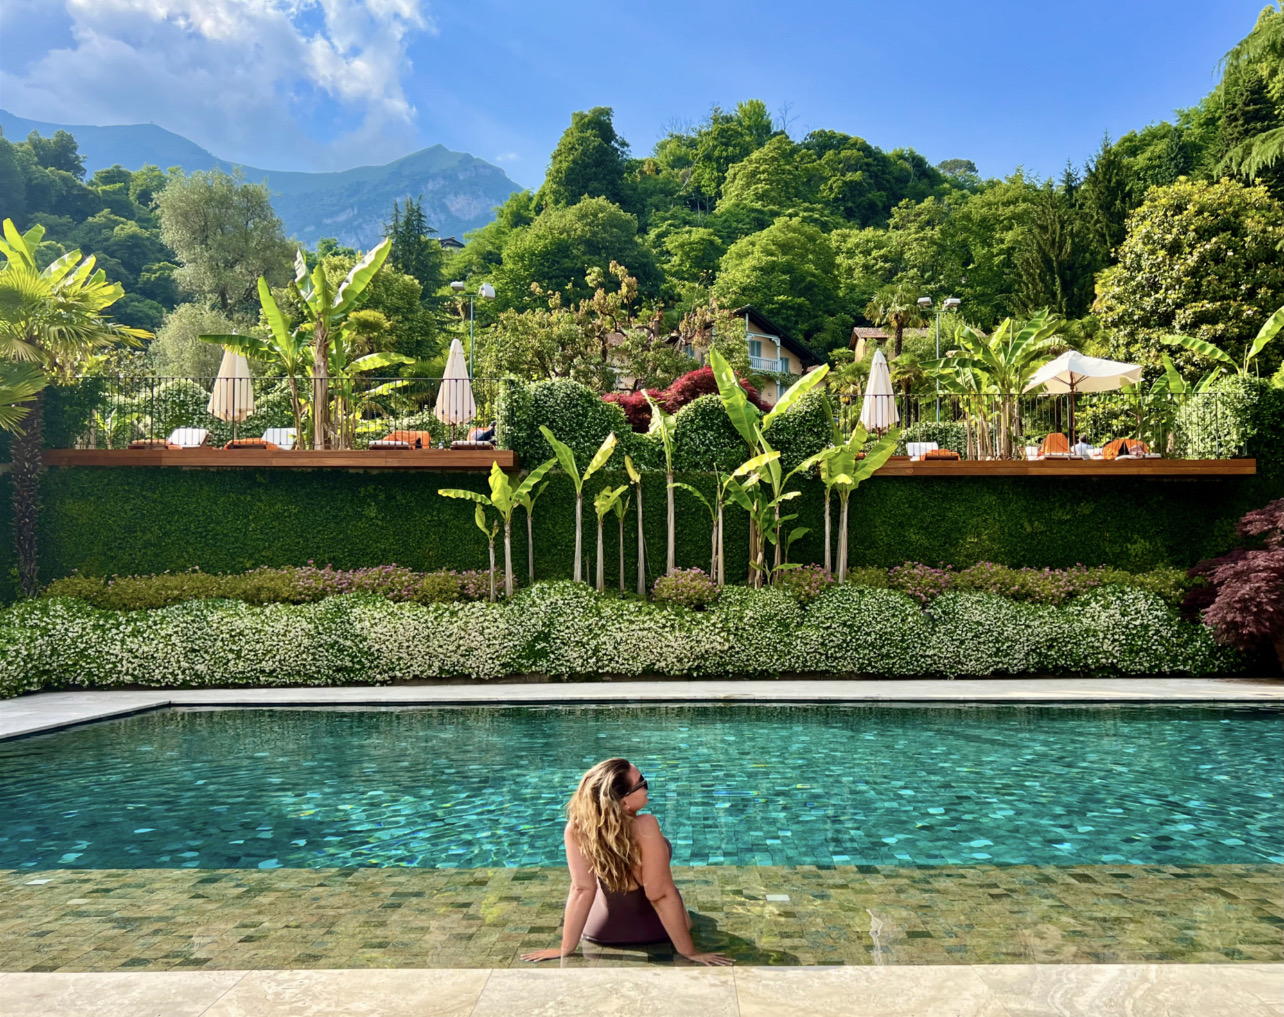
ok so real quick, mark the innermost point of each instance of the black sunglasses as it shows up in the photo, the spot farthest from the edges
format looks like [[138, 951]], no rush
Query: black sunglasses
[[641, 786]]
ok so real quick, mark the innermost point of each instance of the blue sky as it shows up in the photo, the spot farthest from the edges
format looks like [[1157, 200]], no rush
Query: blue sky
[[328, 84]]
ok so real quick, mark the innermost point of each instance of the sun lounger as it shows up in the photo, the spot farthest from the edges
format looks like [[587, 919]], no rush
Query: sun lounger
[[188, 437], [145, 443], [941, 453], [461, 445], [281, 437], [1054, 446], [1124, 448], [251, 443], [404, 439], [916, 450]]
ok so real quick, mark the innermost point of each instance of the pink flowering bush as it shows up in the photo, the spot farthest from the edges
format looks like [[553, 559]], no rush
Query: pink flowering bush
[[691, 588], [1243, 602], [922, 582], [806, 583]]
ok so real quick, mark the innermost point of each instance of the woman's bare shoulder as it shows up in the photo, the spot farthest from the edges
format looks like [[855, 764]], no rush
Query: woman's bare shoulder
[[646, 825]]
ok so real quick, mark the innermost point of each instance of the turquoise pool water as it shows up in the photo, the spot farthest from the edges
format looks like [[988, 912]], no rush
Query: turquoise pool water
[[732, 785]]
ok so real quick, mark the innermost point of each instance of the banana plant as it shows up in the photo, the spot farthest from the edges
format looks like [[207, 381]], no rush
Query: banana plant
[[717, 568], [621, 507], [1008, 358], [665, 425], [848, 471], [752, 424], [566, 458], [776, 491], [635, 478], [527, 493], [1223, 360], [479, 519], [504, 499], [606, 501], [284, 347], [324, 309]]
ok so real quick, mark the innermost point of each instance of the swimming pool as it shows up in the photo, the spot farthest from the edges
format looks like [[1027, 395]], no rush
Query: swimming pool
[[732, 785]]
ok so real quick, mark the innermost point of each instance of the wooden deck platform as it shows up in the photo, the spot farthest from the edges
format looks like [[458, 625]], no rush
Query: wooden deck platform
[[448, 460]]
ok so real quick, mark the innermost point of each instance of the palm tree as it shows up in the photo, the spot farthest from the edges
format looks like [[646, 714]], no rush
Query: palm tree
[[52, 318], [18, 383], [896, 307]]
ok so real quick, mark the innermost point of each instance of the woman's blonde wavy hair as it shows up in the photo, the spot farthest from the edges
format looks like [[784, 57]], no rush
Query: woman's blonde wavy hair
[[601, 827]]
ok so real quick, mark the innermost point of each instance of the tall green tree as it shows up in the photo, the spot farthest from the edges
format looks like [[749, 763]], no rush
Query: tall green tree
[[225, 235], [1253, 141], [589, 162], [896, 307], [1107, 197], [1200, 259], [415, 250], [53, 318]]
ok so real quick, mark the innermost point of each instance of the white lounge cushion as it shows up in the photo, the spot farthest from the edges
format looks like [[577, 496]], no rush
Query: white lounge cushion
[[918, 449], [281, 437], [189, 437]]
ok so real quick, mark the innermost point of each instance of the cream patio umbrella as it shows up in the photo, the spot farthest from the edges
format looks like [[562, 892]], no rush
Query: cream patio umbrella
[[1074, 373], [455, 400], [233, 397], [878, 412]]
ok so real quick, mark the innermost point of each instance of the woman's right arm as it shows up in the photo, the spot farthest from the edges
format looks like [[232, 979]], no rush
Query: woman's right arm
[[657, 881], [578, 902]]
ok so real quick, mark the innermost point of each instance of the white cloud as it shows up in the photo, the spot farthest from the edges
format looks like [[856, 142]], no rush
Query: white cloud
[[248, 79], [506, 157]]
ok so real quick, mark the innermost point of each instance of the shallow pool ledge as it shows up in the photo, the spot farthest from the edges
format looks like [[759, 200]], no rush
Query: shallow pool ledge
[[47, 711]]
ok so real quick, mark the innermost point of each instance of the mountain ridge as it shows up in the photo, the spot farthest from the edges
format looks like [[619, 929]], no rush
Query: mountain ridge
[[459, 190]]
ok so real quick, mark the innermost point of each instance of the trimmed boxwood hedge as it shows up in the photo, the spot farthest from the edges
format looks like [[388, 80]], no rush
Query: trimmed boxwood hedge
[[566, 630], [104, 521]]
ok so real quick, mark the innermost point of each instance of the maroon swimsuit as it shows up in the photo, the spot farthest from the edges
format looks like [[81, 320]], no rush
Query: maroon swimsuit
[[623, 917]]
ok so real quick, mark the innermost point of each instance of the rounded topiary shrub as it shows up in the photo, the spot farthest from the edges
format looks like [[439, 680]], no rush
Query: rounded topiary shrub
[[705, 438], [688, 587], [801, 431]]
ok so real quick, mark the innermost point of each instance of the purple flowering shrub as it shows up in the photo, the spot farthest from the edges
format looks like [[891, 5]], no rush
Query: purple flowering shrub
[[1039, 586], [287, 585], [691, 588], [1243, 602], [805, 583]]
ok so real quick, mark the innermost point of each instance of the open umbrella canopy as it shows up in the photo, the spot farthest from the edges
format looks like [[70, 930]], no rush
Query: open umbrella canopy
[[878, 412], [455, 403], [233, 397], [1074, 372]]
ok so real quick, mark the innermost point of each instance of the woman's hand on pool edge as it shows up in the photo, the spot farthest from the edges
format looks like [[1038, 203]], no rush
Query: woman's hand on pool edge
[[713, 960], [542, 955]]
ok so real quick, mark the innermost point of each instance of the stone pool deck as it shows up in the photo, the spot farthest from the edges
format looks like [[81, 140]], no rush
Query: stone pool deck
[[47, 711], [976, 941]]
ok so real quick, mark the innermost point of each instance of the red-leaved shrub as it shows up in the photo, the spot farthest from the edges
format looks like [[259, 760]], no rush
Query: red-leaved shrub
[[686, 389], [1244, 601]]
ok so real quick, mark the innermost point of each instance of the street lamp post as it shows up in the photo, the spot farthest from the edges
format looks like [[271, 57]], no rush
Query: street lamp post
[[947, 305], [487, 292]]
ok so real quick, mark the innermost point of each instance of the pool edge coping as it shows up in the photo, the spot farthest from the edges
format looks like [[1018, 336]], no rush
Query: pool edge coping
[[45, 712]]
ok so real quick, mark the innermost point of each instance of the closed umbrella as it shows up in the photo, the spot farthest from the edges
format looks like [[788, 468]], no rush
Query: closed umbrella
[[233, 397], [878, 412], [1074, 373], [455, 400]]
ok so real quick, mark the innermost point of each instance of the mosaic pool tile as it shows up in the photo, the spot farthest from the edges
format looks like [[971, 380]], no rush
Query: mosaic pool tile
[[171, 919], [759, 785]]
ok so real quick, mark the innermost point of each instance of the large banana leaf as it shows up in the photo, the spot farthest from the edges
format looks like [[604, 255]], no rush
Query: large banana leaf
[[795, 392], [454, 492], [501, 491], [774, 476], [373, 361], [1176, 383], [359, 278], [606, 498], [523, 493], [275, 319], [601, 456], [1265, 334], [248, 346], [631, 470], [876, 458], [738, 494], [565, 457], [758, 461], [1204, 349], [703, 500], [744, 415]]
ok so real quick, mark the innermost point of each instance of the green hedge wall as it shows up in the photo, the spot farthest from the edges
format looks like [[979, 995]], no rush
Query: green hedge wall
[[134, 521]]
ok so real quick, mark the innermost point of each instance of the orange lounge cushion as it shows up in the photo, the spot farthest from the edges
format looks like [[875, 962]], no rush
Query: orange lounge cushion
[[150, 443], [1055, 444], [250, 443], [1124, 447], [941, 453], [415, 439]]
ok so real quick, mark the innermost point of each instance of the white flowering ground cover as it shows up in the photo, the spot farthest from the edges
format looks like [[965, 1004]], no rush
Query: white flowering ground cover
[[566, 630]]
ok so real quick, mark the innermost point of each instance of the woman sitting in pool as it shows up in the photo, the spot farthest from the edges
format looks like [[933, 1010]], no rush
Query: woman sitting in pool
[[622, 890]]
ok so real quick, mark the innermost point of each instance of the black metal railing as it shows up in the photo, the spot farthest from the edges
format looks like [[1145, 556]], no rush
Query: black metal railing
[[116, 412]]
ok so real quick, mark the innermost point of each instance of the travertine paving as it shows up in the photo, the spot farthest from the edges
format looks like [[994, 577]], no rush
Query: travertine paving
[[176, 919], [1097, 990]]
